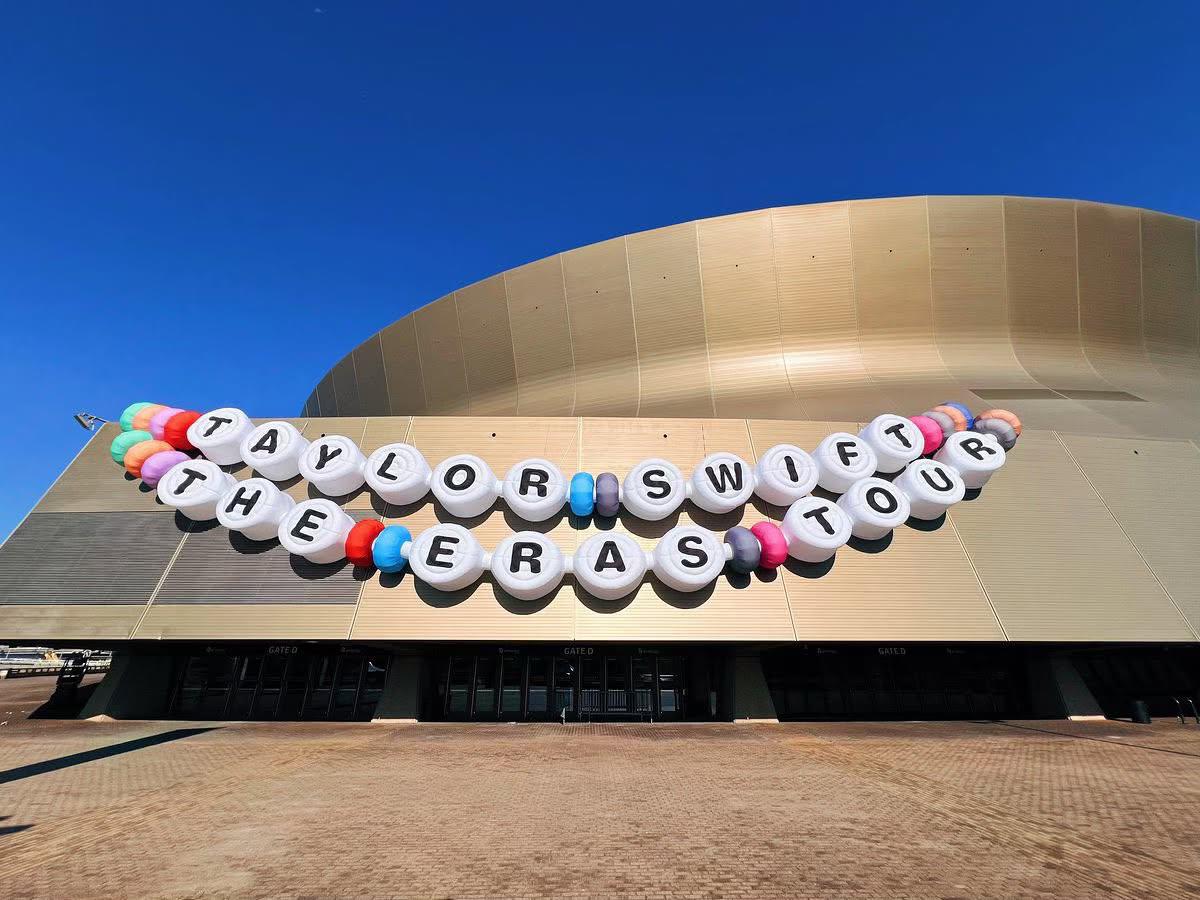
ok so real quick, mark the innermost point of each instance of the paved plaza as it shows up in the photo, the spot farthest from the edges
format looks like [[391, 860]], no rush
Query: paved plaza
[[970, 809]]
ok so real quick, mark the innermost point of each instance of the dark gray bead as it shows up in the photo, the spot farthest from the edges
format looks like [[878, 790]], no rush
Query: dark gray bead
[[608, 495], [1003, 432], [746, 549]]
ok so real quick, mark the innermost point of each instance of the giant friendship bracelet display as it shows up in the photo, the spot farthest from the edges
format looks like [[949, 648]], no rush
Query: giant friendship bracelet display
[[527, 564]]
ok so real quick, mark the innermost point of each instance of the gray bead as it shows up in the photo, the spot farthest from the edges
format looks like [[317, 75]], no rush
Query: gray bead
[[746, 549], [608, 495], [1001, 430], [944, 422]]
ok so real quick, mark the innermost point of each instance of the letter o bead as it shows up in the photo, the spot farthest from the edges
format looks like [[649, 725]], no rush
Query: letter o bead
[[875, 507], [464, 485]]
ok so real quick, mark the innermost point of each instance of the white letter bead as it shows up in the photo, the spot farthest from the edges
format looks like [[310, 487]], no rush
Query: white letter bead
[[609, 565], [931, 487], [194, 488], [653, 489], [218, 435], [528, 565], [464, 485], [814, 529], [398, 473], [784, 474], [897, 441], [842, 459], [273, 450], [535, 489], [975, 456], [254, 508], [447, 557], [334, 465], [721, 483], [687, 558], [316, 530], [875, 507]]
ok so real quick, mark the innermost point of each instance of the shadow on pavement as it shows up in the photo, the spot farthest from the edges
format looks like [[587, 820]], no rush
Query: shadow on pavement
[[75, 759]]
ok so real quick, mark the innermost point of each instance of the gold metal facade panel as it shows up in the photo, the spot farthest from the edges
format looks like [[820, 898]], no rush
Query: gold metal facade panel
[[345, 387], [970, 298], [748, 609], [741, 309], [1054, 561], [439, 346], [889, 240], [664, 273], [1153, 490], [487, 344], [603, 338], [63, 622], [399, 607], [541, 335], [370, 376], [94, 483], [326, 402], [1171, 296], [1043, 302], [402, 364], [246, 622]]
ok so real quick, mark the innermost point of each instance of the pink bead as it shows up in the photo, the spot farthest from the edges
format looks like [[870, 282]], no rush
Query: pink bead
[[157, 465], [158, 421], [930, 430], [774, 545]]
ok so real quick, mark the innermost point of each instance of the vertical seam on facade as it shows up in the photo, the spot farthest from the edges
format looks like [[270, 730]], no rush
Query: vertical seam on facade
[[779, 315], [858, 341], [420, 362], [978, 578], [512, 341], [562, 271], [354, 370], [1136, 549], [1079, 302], [1008, 325], [637, 351], [387, 392], [787, 599], [162, 579], [462, 353], [933, 335], [712, 388]]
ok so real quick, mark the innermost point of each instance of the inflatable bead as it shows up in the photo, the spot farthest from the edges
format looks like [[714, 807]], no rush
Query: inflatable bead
[[721, 483], [955, 414], [140, 452], [158, 422], [124, 441], [746, 550], [842, 459], [387, 551], [582, 494], [653, 489], [1001, 430], [316, 530], [774, 544], [273, 450], [360, 540], [334, 465], [218, 435], [942, 420], [534, 489], [814, 529], [528, 565], [609, 565], [976, 457], [398, 473], [688, 558], [608, 495], [194, 488], [965, 410], [931, 488], [141, 419], [254, 508], [129, 412], [931, 432], [1004, 415], [175, 431], [447, 557], [464, 485], [784, 474], [875, 507], [895, 440], [156, 466]]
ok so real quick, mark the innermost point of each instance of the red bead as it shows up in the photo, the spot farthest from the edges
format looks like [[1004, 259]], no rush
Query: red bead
[[360, 539], [774, 545], [175, 431]]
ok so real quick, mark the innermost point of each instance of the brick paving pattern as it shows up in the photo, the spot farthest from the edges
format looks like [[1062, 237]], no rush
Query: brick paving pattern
[[846, 810]]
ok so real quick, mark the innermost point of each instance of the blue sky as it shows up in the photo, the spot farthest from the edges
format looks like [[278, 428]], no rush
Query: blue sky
[[298, 175]]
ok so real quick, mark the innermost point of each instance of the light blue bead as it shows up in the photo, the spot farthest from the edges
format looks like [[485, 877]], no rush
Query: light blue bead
[[583, 494], [386, 552]]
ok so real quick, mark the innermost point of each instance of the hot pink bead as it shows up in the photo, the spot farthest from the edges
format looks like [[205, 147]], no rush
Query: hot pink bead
[[774, 545], [930, 430]]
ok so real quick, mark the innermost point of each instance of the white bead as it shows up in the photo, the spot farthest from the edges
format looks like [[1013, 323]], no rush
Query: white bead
[[842, 459], [464, 485], [897, 441], [194, 488], [784, 474], [273, 450], [688, 558], [535, 489], [653, 489], [528, 565], [814, 529], [316, 530], [398, 473], [447, 557], [609, 565], [218, 434], [721, 483], [931, 487], [334, 465], [875, 507], [254, 508]]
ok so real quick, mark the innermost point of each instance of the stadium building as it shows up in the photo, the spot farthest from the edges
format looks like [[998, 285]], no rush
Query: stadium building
[[1068, 586]]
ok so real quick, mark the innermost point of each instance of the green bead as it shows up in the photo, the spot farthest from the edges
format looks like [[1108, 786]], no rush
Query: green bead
[[130, 411], [126, 439]]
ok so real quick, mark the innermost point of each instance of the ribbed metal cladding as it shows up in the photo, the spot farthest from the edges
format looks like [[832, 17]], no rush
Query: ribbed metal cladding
[[220, 566], [86, 558]]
